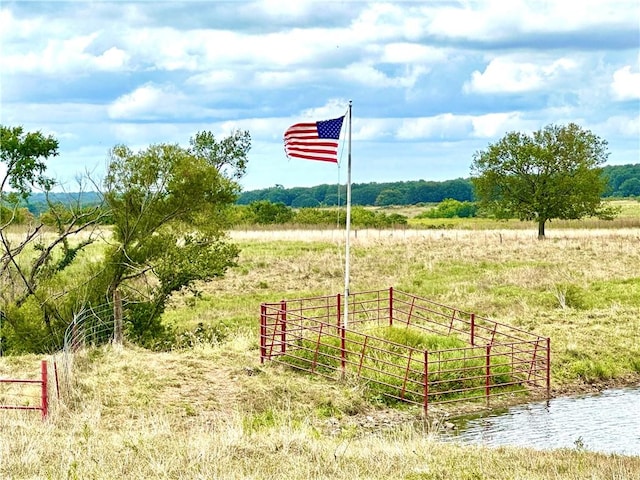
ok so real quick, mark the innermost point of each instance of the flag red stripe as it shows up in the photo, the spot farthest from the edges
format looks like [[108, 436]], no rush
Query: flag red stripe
[[314, 150], [295, 143], [312, 157]]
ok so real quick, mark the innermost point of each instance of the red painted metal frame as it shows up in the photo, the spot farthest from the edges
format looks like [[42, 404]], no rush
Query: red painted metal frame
[[293, 330], [44, 401]]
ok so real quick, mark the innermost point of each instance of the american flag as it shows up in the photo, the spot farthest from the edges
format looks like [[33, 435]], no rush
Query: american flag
[[314, 141]]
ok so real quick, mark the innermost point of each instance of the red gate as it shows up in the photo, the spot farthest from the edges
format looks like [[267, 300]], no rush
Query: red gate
[[42, 397]]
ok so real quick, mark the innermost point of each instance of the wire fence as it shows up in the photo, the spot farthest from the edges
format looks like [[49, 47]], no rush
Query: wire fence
[[91, 327]]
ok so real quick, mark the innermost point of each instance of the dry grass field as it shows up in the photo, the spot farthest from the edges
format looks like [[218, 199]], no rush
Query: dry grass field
[[212, 411]]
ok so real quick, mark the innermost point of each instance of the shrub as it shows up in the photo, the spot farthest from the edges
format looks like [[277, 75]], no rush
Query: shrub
[[450, 208]]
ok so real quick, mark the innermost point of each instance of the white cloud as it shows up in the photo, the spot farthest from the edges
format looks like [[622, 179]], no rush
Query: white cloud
[[333, 108], [139, 103], [283, 8], [494, 125], [60, 56], [368, 75], [112, 59], [441, 126], [373, 129], [620, 126], [215, 79], [626, 84], [448, 126], [497, 20], [156, 102], [54, 114], [271, 79], [504, 75], [403, 52], [380, 21]]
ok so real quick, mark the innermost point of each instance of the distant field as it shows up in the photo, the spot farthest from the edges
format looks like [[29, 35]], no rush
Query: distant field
[[629, 217], [575, 284]]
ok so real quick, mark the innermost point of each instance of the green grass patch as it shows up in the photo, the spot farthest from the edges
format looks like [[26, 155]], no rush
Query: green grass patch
[[591, 370], [623, 291], [392, 366]]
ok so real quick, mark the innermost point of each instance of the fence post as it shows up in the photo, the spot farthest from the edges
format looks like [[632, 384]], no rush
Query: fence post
[[343, 350], [74, 335], [117, 317], [283, 327], [473, 327], [45, 403], [548, 367], [338, 312], [55, 372], [263, 332], [390, 306], [426, 381], [487, 386]]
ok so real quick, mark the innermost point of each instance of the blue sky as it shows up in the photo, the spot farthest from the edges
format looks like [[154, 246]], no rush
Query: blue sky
[[431, 82]]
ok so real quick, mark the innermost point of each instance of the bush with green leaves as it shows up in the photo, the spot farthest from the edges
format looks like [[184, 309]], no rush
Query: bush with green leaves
[[265, 212], [450, 208]]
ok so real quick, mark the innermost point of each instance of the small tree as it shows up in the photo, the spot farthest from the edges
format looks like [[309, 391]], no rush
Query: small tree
[[168, 206], [33, 266], [552, 174], [267, 213]]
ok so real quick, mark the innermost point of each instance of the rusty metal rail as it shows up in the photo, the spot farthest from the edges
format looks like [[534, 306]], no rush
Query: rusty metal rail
[[42, 398], [497, 359]]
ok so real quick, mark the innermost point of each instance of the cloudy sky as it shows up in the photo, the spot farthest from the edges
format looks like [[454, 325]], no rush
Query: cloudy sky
[[431, 82]]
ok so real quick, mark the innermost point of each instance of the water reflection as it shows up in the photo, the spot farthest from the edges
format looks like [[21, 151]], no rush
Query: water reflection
[[608, 422]]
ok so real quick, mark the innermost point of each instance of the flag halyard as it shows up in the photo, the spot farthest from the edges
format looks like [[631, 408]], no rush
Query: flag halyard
[[314, 140]]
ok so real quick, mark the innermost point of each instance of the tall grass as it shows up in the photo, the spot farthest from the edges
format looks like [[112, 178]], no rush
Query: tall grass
[[389, 362], [198, 414]]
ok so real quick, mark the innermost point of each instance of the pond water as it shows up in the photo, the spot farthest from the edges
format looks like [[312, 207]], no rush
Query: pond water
[[608, 422]]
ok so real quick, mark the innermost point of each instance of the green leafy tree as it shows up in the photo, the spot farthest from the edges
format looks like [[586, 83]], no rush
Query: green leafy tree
[[33, 267], [450, 208], [617, 175], [390, 196], [320, 216], [168, 206], [24, 156], [332, 200], [304, 201], [266, 212], [552, 174], [630, 187], [278, 194], [364, 194]]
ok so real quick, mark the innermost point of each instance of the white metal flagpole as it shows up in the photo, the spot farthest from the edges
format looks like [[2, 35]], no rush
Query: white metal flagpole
[[348, 230]]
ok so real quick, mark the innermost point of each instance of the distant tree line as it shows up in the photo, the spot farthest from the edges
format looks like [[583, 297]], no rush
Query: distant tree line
[[264, 212], [623, 181], [365, 194]]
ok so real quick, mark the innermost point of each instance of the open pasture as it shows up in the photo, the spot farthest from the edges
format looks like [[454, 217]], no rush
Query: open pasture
[[575, 286]]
